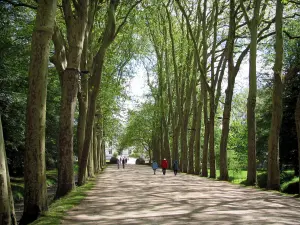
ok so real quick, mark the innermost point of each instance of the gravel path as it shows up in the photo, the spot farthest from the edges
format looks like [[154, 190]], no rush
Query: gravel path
[[135, 196]]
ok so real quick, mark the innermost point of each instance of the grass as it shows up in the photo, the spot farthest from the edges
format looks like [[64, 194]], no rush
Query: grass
[[288, 182], [58, 209]]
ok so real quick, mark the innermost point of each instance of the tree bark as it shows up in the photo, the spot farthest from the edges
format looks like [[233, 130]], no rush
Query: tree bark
[[229, 94], [191, 169], [206, 135], [35, 188], [198, 136], [297, 119], [251, 102], [7, 211], [95, 149], [273, 145], [76, 22]]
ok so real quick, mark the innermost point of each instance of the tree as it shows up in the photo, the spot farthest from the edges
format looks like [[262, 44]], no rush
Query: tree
[[108, 36], [35, 196], [273, 147], [7, 211], [297, 118], [67, 63]]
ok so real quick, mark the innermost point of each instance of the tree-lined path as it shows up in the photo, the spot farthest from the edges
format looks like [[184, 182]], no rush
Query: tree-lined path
[[135, 196]]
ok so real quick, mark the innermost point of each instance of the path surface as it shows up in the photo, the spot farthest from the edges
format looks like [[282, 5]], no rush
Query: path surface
[[135, 196]]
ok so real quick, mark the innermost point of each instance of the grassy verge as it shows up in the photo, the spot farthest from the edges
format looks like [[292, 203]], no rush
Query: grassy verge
[[58, 209], [289, 183]]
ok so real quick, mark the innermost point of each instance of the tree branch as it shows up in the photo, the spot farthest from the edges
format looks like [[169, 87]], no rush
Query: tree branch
[[290, 36], [125, 19]]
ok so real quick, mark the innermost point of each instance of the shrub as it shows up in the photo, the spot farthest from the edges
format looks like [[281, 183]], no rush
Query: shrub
[[113, 160], [291, 187], [140, 161], [262, 180]]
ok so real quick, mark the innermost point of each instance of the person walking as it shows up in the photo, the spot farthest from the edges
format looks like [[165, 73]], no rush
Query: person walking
[[154, 166], [123, 162], [118, 161], [175, 167], [164, 165]]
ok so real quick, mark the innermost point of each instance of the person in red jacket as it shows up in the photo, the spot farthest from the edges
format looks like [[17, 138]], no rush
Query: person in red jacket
[[164, 165]]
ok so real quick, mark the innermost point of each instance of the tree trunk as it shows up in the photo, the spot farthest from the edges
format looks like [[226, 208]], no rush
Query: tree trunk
[[99, 152], [76, 22], [206, 136], [297, 119], [251, 103], [82, 99], [67, 110], [273, 150], [198, 136], [7, 211], [193, 132], [98, 61], [212, 158], [95, 149], [229, 94], [35, 193]]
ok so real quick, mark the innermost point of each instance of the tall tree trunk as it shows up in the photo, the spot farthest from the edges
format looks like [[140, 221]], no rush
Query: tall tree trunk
[[76, 22], [212, 158], [67, 110], [7, 211], [297, 119], [206, 135], [273, 150], [95, 149], [229, 94], [85, 67], [98, 62], [91, 172], [82, 101], [198, 136], [35, 193], [193, 132], [99, 151], [251, 103]]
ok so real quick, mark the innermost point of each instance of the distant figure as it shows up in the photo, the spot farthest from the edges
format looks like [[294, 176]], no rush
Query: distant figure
[[118, 161], [164, 165], [123, 162], [154, 166], [175, 167]]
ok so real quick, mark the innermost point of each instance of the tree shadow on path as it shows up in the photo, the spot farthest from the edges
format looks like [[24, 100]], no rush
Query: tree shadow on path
[[135, 196]]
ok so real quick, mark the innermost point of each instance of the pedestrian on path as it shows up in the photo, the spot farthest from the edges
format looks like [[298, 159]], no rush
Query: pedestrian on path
[[123, 162], [154, 166], [175, 167], [164, 165], [118, 161]]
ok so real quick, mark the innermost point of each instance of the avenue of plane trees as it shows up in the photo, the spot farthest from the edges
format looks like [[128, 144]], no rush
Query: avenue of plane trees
[[65, 66]]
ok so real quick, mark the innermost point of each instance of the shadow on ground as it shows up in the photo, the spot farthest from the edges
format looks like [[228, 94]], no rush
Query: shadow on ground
[[135, 196]]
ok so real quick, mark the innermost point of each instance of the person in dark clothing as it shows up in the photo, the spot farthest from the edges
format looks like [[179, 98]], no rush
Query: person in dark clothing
[[123, 162], [164, 165], [175, 167]]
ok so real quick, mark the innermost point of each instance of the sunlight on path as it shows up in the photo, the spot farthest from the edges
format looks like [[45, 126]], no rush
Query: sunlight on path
[[135, 196]]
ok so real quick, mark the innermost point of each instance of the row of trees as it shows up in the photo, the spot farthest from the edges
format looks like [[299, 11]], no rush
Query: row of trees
[[75, 36], [190, 49], [198, 48]]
